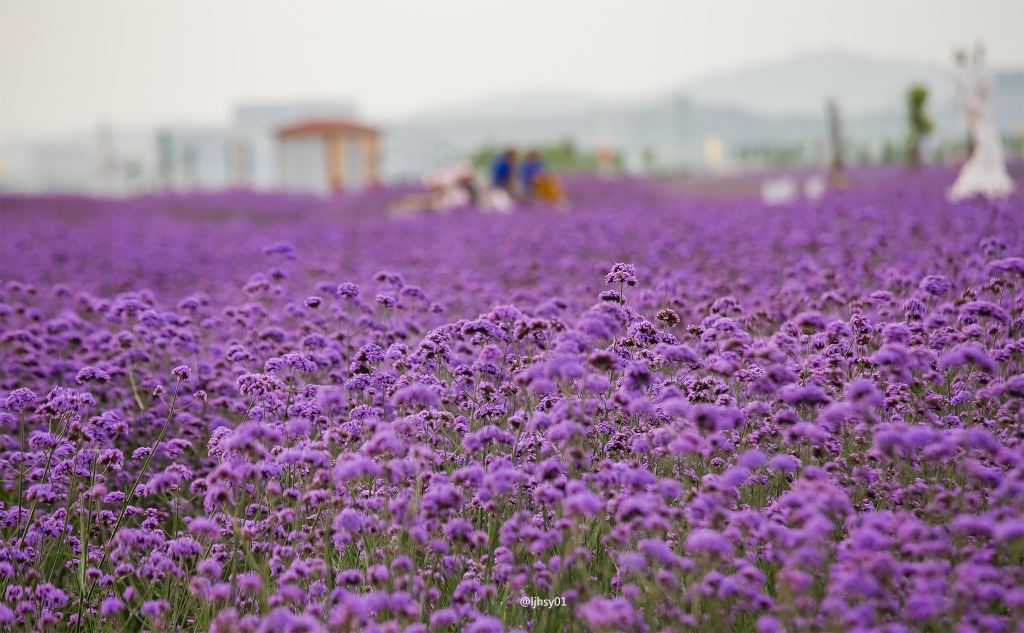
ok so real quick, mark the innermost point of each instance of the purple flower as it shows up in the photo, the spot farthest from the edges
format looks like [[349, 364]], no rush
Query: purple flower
[[784, 463], [19, 400], [1010, 530], [249, 583], [969, 355], [709, 542], [111, 605], [348, 290], [803, 395], [863, 392], [416, 394], [606, 613], [622, 274], [209, 568], [92, 374], [485, 624], [833, 391], [935, 285], [769, 624], [154, 609], [583, 503], [752, 459], [283, 249], [443, 618]]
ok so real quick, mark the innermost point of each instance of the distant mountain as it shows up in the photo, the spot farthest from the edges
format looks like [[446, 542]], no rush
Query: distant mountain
[[801, 85], [544, 103], [776, 103]]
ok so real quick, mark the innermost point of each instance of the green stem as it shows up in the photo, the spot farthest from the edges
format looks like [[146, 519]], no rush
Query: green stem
[[131, 497]]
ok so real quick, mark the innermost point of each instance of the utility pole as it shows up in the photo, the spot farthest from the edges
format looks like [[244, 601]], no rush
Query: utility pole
[[681, 111], [837, 167], [106, 157], [165, 158]]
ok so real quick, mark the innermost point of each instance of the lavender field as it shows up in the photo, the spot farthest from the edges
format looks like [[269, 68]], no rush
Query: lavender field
[[648, 413]]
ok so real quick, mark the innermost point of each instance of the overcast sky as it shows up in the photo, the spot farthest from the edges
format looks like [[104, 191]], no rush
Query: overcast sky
[[67, 64]]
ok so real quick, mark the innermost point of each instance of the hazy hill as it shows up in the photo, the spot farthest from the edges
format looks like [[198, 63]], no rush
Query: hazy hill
[[800, 85], [780, 102], [773, 104]]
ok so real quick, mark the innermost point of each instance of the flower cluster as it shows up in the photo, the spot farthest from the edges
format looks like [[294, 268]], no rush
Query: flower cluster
[[265, 413]]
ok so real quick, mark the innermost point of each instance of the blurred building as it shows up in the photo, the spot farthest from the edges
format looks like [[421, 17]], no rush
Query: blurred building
[[253, 128], [242, 154], [107, 161], [192, 158], [327, 155], [61, 165]]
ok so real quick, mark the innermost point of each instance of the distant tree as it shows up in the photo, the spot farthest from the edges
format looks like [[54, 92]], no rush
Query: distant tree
[[484, 156], [1014, 143], [561, 155], [650, 160], [947, 150], [863, 153], [918, 121], [772, 155]]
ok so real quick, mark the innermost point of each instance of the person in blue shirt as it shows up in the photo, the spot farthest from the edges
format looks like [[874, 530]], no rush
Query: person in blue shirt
[[503, 171]]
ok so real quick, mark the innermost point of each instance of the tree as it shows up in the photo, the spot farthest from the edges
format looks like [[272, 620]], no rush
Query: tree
[[918, 121]]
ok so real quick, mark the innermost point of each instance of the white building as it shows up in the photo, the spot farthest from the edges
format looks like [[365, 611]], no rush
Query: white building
[[192, 158], [253, 132], [325, 156]]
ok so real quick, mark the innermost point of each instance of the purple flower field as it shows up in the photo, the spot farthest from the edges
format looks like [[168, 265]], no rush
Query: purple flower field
[[648, 413]]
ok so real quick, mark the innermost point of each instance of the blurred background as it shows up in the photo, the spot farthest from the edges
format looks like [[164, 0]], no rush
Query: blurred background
[[123, 97]]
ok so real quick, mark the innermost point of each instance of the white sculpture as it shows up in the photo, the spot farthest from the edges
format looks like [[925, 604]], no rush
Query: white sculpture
[[781, 190], [984, 172]]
